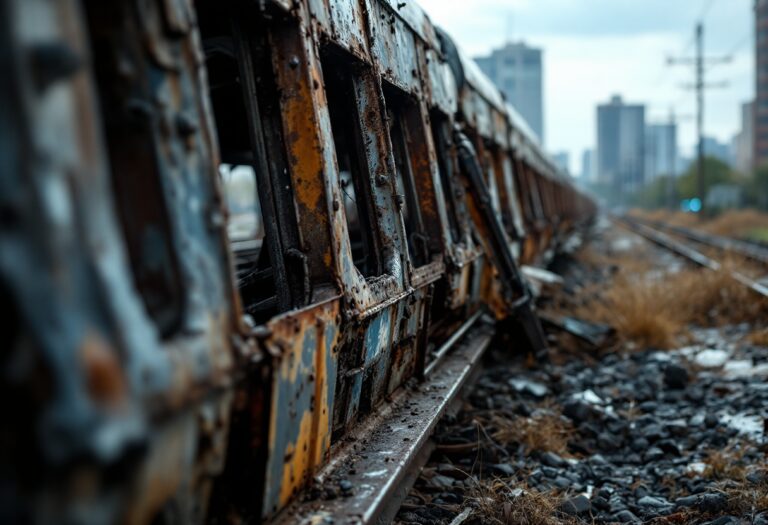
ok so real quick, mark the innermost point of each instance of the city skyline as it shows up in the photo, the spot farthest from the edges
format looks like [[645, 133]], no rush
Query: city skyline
[[517, 70], [621, 129], [596, 48]]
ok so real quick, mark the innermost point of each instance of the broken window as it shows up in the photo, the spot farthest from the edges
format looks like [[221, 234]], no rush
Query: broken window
[[354, 174], [245, 228], [246, 107], [441, 138], [404, 123]]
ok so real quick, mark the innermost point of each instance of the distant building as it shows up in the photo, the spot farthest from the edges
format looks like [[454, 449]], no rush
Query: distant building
[[741, 146], [621, 146], [588, 172], [563, 161], [760, 136], [724, 196], [717, 149], [660, 151], [517, 71]]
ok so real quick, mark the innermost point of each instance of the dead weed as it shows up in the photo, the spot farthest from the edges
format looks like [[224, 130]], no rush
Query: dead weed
[[498, 503], [726, 463], [654, 309], [746, 498], [541, 432], [759, 337]]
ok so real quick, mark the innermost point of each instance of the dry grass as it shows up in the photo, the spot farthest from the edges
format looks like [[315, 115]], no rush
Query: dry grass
[[674, 489], [498, 503], [759, 337], [677, 218], [736, 223], [746, 498], [725, 464], [542, 432], [654, 310]]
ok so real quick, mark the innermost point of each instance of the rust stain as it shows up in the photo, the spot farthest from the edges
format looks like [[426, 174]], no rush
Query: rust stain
[[103, 374]]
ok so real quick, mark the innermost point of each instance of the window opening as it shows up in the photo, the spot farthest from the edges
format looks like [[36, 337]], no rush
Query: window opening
[[442, 142], [253, 172], [350, 157], [405, 187]]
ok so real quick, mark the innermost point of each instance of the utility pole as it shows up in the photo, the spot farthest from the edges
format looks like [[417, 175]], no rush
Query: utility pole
[[700, 61], [700, 111]]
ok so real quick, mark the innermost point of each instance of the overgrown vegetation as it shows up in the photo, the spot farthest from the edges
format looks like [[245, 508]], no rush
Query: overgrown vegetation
[[501, 503], [747, 498], [654, 309], [726, 463], [542, 432]]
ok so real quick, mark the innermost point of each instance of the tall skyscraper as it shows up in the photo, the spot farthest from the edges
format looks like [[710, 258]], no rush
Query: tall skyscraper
[[760, 147], [741, 148], [588, 171], [660, 150], [621, 146], [563, 161], [517, 71], [715, 148]]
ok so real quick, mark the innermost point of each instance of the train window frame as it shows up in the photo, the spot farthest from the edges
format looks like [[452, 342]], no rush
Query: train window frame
[[268, 282], [443, 144], [408, 141], [339, 77], [484, 147], [505, 189], [509, 166], [529, 214]]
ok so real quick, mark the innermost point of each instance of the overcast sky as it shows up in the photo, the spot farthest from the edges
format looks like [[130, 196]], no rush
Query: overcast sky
[[596, 48]]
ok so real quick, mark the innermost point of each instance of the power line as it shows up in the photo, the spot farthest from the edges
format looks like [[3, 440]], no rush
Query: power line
[[741, 43], [704, 12], [702, 16]]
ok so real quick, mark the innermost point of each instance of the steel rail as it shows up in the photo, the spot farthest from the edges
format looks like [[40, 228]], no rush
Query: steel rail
[[665, 241], [375, 466], [746, 249]]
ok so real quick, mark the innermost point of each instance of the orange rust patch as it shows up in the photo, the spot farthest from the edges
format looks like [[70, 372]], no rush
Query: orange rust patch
[[104, 378]]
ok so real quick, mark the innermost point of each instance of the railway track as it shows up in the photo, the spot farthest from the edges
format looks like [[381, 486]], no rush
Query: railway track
[[657, 233], [749, 250]]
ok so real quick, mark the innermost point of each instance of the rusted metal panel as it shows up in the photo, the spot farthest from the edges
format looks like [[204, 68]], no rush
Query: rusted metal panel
[[416, 19], [344, 23], [305, 346], [395, 48], [393, 432], [442, 85], [307, 130], [477, 112]]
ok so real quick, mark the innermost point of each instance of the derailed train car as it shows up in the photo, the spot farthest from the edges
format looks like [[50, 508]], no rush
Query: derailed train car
[[230, 232]]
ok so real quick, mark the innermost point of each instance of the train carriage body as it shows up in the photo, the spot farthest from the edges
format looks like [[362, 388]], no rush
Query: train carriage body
[[231, 231]]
